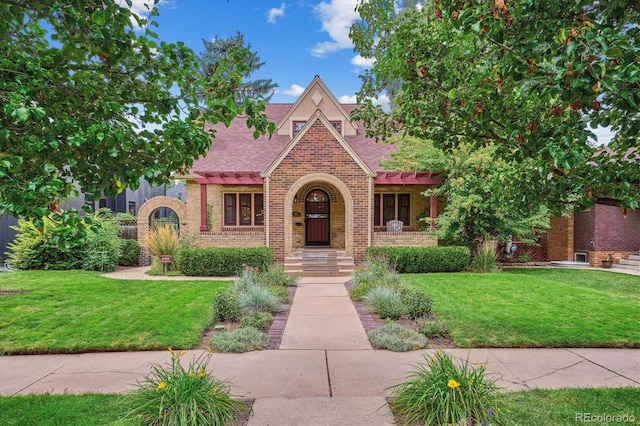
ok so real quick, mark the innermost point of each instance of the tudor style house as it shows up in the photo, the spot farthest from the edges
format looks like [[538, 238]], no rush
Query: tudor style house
[[316, 182]]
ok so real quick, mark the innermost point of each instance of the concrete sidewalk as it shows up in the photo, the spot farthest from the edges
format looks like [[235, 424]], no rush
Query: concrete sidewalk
[[325, 372]]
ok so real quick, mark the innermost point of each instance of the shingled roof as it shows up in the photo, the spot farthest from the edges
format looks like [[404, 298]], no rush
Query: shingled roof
[[235, 150]]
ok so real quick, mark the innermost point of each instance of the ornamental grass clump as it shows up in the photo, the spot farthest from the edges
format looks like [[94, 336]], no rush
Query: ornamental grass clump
[[442, 392], [385, 302], [183, 396], [259, 298], [163, 240], [485, 258]]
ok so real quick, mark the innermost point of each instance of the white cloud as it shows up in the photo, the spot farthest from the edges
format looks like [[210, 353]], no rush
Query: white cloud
[[359, 61], [274, 13], [141, 8], [295, 90], [347, 99], [604, 135], [336, 17]]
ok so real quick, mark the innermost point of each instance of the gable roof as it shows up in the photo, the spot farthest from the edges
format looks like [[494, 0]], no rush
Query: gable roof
[[234, 150], [318, 115]]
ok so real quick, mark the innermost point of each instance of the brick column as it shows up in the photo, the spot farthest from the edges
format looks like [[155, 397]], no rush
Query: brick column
[[203, 208]]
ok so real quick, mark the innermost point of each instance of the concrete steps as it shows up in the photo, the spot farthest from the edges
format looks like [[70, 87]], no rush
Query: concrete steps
[[632, 263], [319, 262]]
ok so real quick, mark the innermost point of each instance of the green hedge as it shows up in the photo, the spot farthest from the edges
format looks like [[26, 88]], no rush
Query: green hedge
[[221, 262], [425, 259]]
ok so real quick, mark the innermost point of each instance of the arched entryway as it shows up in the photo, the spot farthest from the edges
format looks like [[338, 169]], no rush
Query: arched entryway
[[317, 218], [146, 216]]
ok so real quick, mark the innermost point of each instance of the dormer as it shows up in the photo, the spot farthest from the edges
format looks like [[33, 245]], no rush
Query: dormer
[[316, 97]]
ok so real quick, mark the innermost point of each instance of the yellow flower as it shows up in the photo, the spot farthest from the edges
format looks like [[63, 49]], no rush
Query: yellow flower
[[181, 354], [162, 385], [453, 384], [209, 351], [213, 389], [170, 350], [201, 372], [191, 374]]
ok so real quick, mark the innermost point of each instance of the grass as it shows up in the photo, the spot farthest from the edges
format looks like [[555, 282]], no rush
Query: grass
[[80, 311], [536, 307], [532, 407]]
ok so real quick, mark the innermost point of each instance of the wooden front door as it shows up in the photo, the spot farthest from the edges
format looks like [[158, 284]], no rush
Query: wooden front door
[[317, 218]]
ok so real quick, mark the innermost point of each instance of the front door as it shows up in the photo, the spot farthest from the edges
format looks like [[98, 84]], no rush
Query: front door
[[317, 218]]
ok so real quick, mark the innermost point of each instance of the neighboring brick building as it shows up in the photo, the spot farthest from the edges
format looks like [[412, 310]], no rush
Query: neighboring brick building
[[316, 182]]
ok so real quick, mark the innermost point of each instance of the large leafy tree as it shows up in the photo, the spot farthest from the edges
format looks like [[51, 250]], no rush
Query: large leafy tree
[[218, 51], [91, 98], [532, 78], [483, 192]]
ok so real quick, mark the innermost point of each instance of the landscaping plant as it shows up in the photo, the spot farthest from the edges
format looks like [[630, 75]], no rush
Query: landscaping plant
[[257, 319], [259, 298], [443, 392], [485, 258], [432, 327], [241, 340], [275, 275], [397, 338], [163, 240], [226, 306], [180, 396], [385, 302]]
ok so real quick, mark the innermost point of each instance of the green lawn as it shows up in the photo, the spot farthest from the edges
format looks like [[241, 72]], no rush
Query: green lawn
[[536, 307], [79, 311], [534, 407]]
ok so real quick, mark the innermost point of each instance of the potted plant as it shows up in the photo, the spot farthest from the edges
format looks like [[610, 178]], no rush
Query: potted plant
[[608, 262]]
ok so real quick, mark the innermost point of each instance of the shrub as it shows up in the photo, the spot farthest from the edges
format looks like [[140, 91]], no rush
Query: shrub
[[425, 259], [222, 262], [259, 298], [178, 395], [129, 253], [226, 306], [241, 340], [103, 244], [416, 303], [385, 302], [443, 392], [163, 239], [275, 275], [374, 272], [432, 327], [281, 292], [485, 257], [397, 338], [257, 319]]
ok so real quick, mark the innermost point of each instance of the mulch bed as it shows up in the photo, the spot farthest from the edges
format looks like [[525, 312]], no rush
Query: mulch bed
[[370, 321], [276, 330]]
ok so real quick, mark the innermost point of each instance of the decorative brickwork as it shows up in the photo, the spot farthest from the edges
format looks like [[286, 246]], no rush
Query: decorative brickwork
[[403, 239], [144, 214]]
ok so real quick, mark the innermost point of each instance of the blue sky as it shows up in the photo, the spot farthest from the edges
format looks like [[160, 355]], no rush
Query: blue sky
[[296, 39]]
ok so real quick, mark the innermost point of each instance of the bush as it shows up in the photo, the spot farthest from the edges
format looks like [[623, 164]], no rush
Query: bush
[[442, 392], [175, 395], [241, 340], [226, 306], [259, 298], [385, 302], [425, 259], [416, 303], [244, 281], [485, 257], [104, 246], [275, 275], [374, 272], [432, 327], [397, 338], [222, 262], [129, 253], [257, 319]]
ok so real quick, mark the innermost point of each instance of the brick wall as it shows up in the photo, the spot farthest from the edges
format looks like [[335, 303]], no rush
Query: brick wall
[[560, 239], [319, 152], [403, 239], [584, 230], [614, 232]]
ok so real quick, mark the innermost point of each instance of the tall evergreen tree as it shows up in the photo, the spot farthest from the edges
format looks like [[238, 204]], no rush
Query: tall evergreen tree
[[219, 49]]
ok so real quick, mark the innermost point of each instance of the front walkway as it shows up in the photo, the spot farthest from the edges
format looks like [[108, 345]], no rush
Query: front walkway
[[325, 372]]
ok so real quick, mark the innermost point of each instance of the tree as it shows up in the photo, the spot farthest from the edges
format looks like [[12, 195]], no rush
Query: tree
[[219, 50], [91, 98], [531, 78], [482, 200]]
